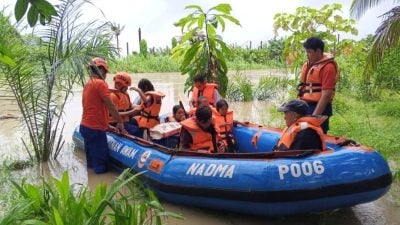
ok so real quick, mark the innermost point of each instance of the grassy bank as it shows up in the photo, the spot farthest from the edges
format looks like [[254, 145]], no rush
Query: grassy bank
[[163, 63]]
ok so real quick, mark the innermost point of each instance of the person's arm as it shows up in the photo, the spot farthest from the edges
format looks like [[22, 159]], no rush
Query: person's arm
[[328, 82], [191, 100], [185, 139], [216, 97], [140, 92], [114, 113], [306, 139], [326, 96], [135, 109]]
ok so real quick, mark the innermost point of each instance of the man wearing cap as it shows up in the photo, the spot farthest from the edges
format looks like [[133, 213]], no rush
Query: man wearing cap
[[97, 106], [318, 80], [302, 132], [121, 100]]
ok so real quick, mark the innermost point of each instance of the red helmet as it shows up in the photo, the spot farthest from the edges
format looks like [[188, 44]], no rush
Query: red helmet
[[123, 78], [100, 62]]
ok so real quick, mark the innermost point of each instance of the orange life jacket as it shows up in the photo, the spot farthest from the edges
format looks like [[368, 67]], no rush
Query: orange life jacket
[[148, 117], [310, 88], [207, 92], [290, 133], [201, 140], [123, 104], [224, 125]]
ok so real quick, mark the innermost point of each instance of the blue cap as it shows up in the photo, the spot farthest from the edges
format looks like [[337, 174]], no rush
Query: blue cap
[[297, 106]]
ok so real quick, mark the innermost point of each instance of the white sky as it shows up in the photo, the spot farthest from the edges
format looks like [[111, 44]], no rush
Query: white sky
[[156, 18]]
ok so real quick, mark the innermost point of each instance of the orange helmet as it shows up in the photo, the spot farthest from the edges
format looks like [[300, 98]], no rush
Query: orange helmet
[[123, 78], [100, 62]]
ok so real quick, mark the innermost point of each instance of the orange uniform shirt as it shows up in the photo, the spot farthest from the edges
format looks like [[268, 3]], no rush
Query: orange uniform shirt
[[95, 112], [328, 75]]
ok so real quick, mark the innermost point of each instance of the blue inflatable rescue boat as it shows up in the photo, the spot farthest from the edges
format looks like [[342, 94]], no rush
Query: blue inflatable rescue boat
[[255, 179]]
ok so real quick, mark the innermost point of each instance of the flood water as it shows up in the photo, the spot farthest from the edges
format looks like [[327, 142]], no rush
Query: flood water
[[381, 212]]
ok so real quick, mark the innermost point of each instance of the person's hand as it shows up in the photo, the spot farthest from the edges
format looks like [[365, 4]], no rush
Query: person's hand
[[135, 89], [121, 128], [221, 147]]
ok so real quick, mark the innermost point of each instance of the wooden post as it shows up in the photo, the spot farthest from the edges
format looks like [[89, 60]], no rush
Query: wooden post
[[140, 36], [261, 45], [250, 45], [127, 49]]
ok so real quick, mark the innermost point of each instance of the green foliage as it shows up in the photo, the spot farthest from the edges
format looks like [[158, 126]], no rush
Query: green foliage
[[40, 10], [143, 48], [58, 202], [240, 88], [386, 35], [307, 22], [140, 64], [368, 122], [174, 42], [201, 50], [47, 67]]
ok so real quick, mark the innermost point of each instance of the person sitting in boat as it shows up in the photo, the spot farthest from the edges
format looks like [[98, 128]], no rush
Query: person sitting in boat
[[201, 101], [224, 123], [198, 133], [202, 88], [150, 106], [302, 132], [178, 114], [121, 100]]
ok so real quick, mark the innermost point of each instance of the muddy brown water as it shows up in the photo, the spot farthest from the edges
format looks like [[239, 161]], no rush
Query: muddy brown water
[[384, 211]]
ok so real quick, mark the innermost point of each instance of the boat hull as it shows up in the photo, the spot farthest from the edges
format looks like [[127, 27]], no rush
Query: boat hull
[[255, 182]]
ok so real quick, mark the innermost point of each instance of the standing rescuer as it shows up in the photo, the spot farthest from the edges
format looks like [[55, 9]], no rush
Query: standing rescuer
[[318, 80], [97, 105]]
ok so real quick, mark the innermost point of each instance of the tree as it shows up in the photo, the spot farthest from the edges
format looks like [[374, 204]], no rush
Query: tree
[[387, 36], [46, 69], [116, 29], [325, 23], [40, 10], [201, 50]]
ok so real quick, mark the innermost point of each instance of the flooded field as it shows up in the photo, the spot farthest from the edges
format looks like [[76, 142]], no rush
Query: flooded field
[[380, 212]]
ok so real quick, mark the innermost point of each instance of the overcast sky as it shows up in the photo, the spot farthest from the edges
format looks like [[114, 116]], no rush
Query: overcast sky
[[156, 18]]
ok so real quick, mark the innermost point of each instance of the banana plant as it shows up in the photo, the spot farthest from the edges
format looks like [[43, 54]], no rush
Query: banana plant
[[201, 50]]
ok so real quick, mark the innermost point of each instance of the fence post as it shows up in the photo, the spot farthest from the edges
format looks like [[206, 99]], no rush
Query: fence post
[[127, 49]]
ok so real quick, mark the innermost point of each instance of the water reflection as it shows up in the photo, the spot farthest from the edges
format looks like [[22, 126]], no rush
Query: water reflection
[[379, 212]]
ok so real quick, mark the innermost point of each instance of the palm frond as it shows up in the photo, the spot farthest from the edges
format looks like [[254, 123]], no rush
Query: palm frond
[[386, 36], [359, 7]]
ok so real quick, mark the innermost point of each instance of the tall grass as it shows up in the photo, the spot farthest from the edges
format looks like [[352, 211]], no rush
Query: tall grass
[[142, 64], [58, 202]]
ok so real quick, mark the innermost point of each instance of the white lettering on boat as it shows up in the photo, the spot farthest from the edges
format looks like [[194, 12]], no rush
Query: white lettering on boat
[[128, 152], [211, 170], [114, 145], [299, 169]]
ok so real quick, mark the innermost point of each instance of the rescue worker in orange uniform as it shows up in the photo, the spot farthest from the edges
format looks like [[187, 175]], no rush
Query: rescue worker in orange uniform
[[122, 102], [224, 124], [150, 106], [198, 133], [202, 88], [302, 132], [97, 106], [319, 76]]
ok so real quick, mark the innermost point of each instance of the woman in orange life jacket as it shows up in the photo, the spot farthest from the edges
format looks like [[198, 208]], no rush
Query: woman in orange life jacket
[[201, 101], [198, 133], [224, 124], [302, 132], [122, 102], [150, 104]]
